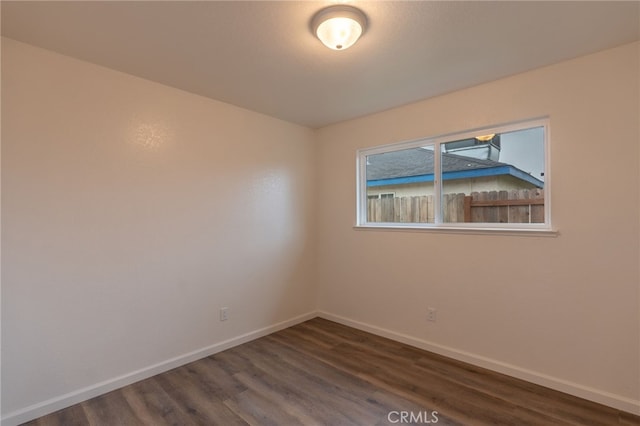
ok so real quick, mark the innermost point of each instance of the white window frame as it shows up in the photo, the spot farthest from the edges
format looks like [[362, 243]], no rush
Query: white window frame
[[439, 225]]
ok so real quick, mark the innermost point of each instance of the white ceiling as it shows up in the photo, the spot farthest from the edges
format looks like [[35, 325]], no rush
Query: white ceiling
[[262, 56]]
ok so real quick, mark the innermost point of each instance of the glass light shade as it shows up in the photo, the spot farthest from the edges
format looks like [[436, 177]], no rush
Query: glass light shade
[[339, 33], [339, 27], [485, 138]]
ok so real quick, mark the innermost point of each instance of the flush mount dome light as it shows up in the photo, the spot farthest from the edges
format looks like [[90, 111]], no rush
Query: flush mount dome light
[[486, 138], [339, 27]]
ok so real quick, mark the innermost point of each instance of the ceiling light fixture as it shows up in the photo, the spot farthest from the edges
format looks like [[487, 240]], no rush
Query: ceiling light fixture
[[339, 27], [486, 138]]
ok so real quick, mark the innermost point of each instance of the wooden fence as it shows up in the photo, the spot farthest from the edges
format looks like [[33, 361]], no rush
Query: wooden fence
[[516, 206]]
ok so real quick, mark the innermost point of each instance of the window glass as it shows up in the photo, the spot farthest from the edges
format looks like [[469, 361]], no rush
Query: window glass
[[400, 186], [492, 178]]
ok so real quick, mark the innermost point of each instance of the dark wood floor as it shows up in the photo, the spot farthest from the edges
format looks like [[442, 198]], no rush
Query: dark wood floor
[[323, 373]]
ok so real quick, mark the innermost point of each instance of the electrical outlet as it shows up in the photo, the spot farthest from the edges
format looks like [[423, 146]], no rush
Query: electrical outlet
[[431, 314], [224, 314]]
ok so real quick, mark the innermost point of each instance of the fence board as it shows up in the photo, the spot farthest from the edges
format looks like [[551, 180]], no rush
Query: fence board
[[386, 209], [424, 210], [503, 206]]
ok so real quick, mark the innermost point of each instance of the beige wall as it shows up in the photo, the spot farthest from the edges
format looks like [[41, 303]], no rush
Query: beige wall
[[131, 212], [562, 311], [466, 186]]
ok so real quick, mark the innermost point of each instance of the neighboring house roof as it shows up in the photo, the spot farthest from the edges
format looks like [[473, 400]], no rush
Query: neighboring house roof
[[417, 164]]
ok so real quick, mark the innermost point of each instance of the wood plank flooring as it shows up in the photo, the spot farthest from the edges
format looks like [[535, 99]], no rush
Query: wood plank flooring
[[323, 373]]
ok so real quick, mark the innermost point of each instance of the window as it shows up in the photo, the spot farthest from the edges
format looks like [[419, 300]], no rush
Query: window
[[371, 195], [492, 178]]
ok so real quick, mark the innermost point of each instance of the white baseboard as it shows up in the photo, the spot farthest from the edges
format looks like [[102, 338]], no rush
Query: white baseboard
[[75, 397], [591, 394]]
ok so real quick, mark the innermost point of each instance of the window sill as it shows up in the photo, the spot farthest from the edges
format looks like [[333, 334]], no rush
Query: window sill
[[528, 232]]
